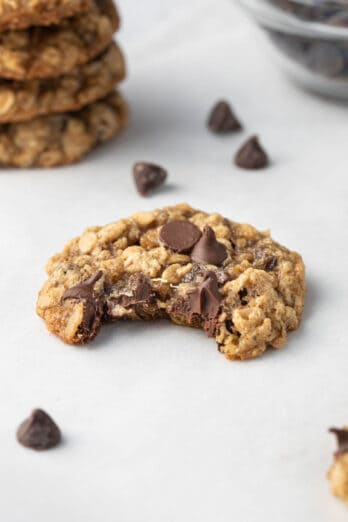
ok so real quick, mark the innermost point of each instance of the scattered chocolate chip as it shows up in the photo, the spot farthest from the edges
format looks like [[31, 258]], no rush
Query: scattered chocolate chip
[[208, 249], [148, 177], [93, 309], [222, 119], [83, 290], [251, 155], [180, 236], [271, 264], [342, 440], [205, 301], [39, 432]]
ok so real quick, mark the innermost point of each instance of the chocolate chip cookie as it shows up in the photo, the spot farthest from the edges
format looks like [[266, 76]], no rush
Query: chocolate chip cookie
[[194, 268], [49, 52], [21, 101], [338, 474], [19, 14], [61, 139]]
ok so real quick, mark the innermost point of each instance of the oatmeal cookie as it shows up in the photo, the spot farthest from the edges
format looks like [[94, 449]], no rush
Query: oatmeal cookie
[[48, 52], [21, 101], [338, 474], [61, 139], [19, 14], [194, 268]]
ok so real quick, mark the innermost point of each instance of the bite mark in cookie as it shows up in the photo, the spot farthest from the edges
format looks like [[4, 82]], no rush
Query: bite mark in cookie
[[246, 291]]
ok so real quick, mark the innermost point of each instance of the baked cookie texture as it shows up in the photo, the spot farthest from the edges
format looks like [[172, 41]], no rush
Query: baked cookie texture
[[18, 14], [49, 52], [338, 474], [21, 101], [236, 283], [58, 80], [64, 138]]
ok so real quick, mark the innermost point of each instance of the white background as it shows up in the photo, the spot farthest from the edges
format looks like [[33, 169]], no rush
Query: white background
[[158, 426]]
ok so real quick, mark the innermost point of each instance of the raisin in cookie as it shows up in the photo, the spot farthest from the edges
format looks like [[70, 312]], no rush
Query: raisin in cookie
[[19, 14], [338, 474], [194, 268], [61, 139], [48, 52], [21, 101]]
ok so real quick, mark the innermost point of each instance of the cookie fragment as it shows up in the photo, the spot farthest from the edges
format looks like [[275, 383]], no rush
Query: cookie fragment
[[39, 431], [208, 249], [222, 119], [148, 177], [251, 155], [180, 236], [338, 474]]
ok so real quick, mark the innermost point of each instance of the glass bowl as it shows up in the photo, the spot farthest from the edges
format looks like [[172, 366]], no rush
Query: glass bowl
[[312, 39]]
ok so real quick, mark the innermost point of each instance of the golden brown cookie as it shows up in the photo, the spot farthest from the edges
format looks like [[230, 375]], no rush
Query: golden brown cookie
[[48, 52], [194, 268], [21, 101], [61, 139], [19, 14]]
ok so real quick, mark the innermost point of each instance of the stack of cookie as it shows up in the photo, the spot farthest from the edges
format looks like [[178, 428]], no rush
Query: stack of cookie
[[58, 72]]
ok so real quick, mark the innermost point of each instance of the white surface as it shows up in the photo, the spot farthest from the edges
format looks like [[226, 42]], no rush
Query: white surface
[[158, 425]]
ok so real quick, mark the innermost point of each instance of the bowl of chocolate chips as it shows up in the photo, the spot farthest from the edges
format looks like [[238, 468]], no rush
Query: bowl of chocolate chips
[[311, 37]]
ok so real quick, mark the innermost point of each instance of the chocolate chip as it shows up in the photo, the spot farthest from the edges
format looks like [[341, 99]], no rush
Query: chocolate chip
[[342, 440], [93, 309], [83, 290], [229, 326], [39, 432], [205, 301], [222, 119], [148, 177], [251, 155], [242, 294], [180, 236], [208, 249], [202, 306]]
